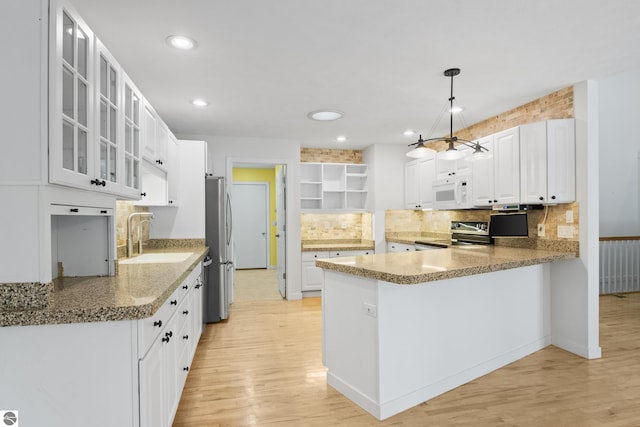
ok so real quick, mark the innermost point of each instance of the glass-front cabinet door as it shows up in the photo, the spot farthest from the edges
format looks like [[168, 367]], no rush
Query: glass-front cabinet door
[[132, 128], [71, 97], [108, 118]]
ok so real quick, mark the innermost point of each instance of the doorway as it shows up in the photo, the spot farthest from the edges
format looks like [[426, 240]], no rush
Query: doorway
[[260, 258], [251, 219]]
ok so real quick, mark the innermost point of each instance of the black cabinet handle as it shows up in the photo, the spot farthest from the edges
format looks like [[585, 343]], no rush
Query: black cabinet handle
[[99, 183], [160, 162], [185, 312], [185, 337], [158, 323], [168, 334], [186, 369], [541, 198], [166, 339], [143, 194], [170, 202], [174, 302], [103, 212], [74, 210], [185, 287], [553, 197]]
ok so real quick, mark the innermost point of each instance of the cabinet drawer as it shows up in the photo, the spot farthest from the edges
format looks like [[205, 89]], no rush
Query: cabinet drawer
[[312, 256], [351, 253], [149, 328]]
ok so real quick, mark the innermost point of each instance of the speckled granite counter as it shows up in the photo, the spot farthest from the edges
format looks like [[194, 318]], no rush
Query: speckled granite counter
[[337, 245], [408, 268], [136, 292]]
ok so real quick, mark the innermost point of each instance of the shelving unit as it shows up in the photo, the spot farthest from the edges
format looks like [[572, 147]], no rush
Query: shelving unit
[[333, 186]]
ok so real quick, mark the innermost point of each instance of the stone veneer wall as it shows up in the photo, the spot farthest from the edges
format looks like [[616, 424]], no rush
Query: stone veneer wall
[[336, 226], [557, 105], [123, 209], [329, 155]]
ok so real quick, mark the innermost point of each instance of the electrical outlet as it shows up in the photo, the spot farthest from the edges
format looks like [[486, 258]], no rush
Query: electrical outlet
[[370, 309], [569, 215], [541, 230], [566, 231]]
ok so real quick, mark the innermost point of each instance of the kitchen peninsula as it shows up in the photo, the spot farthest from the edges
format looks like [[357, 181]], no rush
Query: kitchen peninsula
[[402, 328]]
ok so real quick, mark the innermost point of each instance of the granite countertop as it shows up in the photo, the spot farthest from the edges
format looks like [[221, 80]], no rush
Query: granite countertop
[[136, 292], [337, 245], [408, 268]]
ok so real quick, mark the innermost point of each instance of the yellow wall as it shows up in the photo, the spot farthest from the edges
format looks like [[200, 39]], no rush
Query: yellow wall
[[269, 176]]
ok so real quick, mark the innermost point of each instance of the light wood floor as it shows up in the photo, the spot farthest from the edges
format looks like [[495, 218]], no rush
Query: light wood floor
[[255, 285], [263, 367]]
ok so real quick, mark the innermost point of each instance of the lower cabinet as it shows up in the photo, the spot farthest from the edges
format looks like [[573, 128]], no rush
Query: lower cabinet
[[312, 277], [164, 367]]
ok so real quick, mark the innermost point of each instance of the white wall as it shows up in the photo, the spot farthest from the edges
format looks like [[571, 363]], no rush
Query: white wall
[[222, 151], [619, 155], [385, 184]]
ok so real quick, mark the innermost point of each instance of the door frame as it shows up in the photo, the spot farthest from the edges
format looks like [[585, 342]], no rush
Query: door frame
[[291, 221], [267, 220]]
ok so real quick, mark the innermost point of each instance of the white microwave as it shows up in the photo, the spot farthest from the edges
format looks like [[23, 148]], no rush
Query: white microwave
[[453, 193]]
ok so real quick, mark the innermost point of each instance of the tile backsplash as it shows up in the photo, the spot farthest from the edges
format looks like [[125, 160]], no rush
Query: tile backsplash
[[336, 226]]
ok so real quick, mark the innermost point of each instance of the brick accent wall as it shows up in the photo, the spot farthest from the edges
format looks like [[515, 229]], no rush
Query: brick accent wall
[[557, 105], [329, 155]]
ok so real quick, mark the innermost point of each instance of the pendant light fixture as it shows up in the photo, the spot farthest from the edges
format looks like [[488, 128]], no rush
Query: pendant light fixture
[[451, 153]]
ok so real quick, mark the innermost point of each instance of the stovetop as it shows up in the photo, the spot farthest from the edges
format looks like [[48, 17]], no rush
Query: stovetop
[[470, 232]]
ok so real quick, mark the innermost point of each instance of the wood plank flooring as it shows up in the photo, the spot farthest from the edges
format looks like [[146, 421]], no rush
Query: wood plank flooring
[[263, 367]]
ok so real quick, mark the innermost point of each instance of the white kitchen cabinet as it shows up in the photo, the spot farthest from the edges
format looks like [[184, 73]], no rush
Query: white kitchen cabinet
[[333, 186], [446, 168], [312, 276], [173, 171], [72, 151], [151, 369], [400, 247], [419, 175], [483, 176], [156, 137], [547, 162], [131, 154], [506, 158]]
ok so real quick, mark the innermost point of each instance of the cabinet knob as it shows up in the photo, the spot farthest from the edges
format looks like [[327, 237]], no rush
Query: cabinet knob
[[186, 369], [185, 312], [168, 334], [174, 302], [166, 339], [185, 287], [158, 323], [74, 210], [553, 197], [99, 182], [170, 202], [143, 194], [185, 337], [541, 198], [103, 212]]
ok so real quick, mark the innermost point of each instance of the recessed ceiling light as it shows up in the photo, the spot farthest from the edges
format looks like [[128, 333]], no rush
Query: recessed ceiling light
[[325, 115], [409, 132], [181, 42], [199, 102], [341, 138]]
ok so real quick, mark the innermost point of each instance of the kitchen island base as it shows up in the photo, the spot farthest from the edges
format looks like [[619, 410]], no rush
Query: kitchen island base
[[389, 347]]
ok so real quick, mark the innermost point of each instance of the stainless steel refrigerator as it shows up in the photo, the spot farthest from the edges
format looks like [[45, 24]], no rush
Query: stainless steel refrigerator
[[218, 237]]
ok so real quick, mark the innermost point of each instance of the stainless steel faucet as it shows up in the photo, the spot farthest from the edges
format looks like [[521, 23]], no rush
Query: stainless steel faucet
[[130, 231]]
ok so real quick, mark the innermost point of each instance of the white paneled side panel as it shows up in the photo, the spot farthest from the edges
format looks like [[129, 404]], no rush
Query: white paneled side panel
[[619, 266]]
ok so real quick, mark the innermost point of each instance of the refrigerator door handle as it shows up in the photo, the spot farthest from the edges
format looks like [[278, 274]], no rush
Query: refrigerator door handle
[[206, 262]]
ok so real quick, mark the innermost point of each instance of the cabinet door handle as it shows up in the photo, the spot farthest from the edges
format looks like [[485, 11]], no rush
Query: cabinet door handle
[[143, 194], [166, 339], [185, 312], [103, 212], [186, 369], [185, 287], [158, 323], [74, 210], [168, 334], [185, 337], [174, 302]]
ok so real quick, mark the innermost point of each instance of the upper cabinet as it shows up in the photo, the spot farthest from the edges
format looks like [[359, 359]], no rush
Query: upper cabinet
[[72, 150], [506, 166], [333, 186], [100, 126], [483, 176], [419, 175], [547, 162], [446, 168]]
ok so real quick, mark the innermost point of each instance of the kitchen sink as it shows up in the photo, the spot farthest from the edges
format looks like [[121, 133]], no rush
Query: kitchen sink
[[158, 258]]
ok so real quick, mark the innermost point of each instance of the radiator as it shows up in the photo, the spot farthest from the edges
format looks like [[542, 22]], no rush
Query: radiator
[[619, 266]]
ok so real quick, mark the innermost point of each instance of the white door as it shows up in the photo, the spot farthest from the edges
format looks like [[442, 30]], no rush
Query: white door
[[251, 223], [281, 229]]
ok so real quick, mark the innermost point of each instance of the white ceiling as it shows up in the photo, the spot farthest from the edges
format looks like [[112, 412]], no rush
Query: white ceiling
[[265, 64]]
